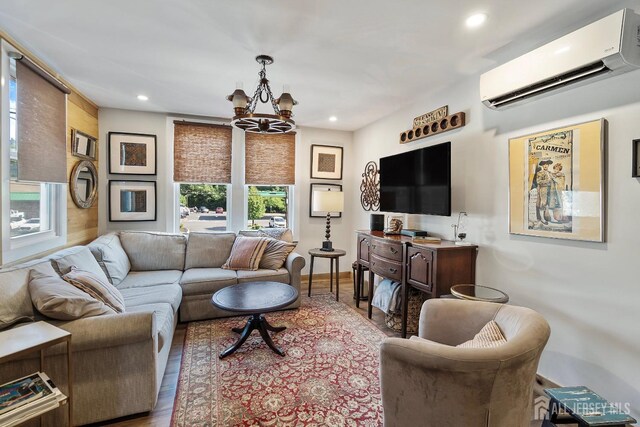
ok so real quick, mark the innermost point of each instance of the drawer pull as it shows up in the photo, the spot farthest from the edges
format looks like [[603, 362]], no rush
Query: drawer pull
[[373, 263], [393, 270], [373, 246], [393, 250]]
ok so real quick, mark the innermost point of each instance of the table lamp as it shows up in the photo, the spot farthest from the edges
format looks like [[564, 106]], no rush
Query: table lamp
[[328, 201]]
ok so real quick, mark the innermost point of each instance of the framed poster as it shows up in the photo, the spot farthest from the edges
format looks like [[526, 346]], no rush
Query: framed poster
[[83, 145], [132, 201], [323, 187], [132, 153], [326, 162], [556, 183]]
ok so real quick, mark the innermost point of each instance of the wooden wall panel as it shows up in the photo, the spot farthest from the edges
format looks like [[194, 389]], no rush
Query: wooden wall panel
[[82, 224]]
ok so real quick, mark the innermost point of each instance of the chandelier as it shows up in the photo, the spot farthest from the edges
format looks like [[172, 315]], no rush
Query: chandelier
[[244, 107]]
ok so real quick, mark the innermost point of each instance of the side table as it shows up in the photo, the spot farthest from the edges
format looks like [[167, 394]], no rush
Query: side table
[[479, 293], [334, 256], [38, 336]]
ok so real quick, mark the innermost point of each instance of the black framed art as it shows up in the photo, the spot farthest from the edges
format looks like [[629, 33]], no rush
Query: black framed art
[[132, 201], [326, 162], [132, 153]]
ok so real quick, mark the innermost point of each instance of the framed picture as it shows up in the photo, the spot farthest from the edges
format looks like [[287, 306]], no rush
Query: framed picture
[[132, 201], [323, 187], [556, 183], [326, 162], [83, 145], [132, 153]]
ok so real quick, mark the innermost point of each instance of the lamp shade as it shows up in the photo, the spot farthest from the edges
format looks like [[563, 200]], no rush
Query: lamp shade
[[328, 201]]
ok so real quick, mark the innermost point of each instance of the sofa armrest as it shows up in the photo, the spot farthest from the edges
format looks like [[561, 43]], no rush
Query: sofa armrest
[[294, 264], [112, 330]]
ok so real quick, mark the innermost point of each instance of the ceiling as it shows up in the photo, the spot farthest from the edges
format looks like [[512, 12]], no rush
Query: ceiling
[[356, 60]]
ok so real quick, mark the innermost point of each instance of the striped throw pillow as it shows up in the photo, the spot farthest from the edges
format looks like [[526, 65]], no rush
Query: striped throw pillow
[[489, 336], [246, 253], [103, 291], [275, 254]]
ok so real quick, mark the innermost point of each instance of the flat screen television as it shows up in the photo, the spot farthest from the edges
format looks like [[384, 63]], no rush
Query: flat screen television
[[417, 182]]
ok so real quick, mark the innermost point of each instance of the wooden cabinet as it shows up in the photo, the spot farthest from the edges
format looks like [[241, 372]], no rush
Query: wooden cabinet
[[430, 268]]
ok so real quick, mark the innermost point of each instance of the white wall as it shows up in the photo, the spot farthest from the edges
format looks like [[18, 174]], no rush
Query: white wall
[[589, 292], [308, 231]]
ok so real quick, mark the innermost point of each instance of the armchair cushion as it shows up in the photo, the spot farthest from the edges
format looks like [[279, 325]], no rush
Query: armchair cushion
[[489, 336]]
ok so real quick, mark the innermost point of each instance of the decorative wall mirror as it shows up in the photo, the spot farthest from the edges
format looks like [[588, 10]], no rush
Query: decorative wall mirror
[[83, 145], [84, 184]]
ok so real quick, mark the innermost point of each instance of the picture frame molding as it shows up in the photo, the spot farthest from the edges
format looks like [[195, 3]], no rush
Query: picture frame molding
[[155, 195], [155, 150], [337, 147], [311, 189]]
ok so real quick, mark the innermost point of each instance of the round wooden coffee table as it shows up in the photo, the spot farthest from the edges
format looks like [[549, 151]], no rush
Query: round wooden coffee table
[[255, 298]]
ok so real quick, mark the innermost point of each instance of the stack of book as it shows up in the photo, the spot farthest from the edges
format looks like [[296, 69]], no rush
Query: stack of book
[[28, 397], [426, 240]]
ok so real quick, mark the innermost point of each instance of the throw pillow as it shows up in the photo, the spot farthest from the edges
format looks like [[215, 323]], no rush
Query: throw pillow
[[275, 233], [275, 254], [246, 253], [101, 290], [489, 336], [59, 300]]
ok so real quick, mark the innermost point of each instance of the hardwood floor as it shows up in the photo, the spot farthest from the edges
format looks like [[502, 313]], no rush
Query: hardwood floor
[[161, 415]]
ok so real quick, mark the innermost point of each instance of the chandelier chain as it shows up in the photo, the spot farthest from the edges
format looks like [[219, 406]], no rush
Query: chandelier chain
[[262, 87]]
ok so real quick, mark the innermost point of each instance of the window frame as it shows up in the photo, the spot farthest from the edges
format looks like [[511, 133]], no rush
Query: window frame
[[290, 203], [176, 199], [19, 247]]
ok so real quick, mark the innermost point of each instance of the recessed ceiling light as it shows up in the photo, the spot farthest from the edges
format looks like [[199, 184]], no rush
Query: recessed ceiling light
[[476, 20], [333, 118], [143, 98]]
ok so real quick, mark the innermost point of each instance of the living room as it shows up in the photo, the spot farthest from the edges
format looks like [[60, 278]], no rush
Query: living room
[[370, 83]]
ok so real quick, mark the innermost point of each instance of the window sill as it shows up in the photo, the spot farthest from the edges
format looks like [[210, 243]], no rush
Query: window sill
[[30, 246]]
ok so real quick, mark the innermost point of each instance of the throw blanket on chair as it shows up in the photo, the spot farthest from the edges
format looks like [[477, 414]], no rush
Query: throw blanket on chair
[[387, 296]]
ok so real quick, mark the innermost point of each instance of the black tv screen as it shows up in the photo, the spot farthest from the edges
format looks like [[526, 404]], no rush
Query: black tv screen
[[417, 182]]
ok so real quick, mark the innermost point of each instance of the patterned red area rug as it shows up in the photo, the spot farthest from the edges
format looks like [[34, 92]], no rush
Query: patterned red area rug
[[329, 376]]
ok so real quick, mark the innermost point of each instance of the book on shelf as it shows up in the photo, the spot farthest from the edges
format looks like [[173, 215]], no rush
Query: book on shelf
[[28, 397], [426, 239]]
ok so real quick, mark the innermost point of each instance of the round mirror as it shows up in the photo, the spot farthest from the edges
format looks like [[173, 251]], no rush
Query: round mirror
[[84, 184]]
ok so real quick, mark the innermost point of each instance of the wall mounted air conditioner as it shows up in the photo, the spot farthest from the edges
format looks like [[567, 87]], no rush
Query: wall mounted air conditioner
[[604, 48]]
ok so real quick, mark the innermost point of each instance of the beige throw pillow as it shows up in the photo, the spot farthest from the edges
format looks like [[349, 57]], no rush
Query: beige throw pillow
[[59, 300], [103, 291], [246, 253], [489, 336], [276, 253]]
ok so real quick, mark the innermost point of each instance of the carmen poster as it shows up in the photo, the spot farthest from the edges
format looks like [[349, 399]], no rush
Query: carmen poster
[[556, 182], [550, 181]]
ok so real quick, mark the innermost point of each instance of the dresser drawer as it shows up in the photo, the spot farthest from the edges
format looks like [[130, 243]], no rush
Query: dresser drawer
[[389, 269], [388, 250]]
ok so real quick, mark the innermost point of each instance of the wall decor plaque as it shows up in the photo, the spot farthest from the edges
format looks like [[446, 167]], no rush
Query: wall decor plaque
[[431, 116], [556, 183], [132, 153], [370, 187]]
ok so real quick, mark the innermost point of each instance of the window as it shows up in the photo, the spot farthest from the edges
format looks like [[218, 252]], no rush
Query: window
[[34, 191], [203, 207], [268, 207]]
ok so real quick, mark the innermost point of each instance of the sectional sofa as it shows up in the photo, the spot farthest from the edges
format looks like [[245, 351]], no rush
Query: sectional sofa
[[119, 360]]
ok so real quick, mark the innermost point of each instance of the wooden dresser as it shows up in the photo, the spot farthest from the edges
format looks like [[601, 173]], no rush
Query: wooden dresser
[[430, 268]]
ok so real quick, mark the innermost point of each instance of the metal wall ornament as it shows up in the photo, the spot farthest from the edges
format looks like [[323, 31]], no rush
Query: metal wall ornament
[[370, 187]]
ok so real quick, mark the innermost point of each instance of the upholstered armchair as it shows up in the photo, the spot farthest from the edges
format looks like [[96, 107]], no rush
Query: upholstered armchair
[[427, 381]]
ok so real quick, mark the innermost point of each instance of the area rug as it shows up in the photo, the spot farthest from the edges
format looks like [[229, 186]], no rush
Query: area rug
[[329, 376]]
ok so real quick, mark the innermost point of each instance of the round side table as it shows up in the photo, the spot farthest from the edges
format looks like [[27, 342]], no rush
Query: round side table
[[479, 293], [334, 256]]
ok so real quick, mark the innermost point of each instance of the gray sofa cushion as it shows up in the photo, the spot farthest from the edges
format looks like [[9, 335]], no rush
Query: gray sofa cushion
[[170, 294], [137, 279], [284, 234], [164, 320], [154, 251], [208, 250], [57, 299], [15, 302], [112, 258], [80, 257], [196, 281], [280, 275]]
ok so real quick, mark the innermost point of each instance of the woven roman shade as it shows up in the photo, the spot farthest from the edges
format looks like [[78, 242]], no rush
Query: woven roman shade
[[41, 112], [270, 159], [201, 153]]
